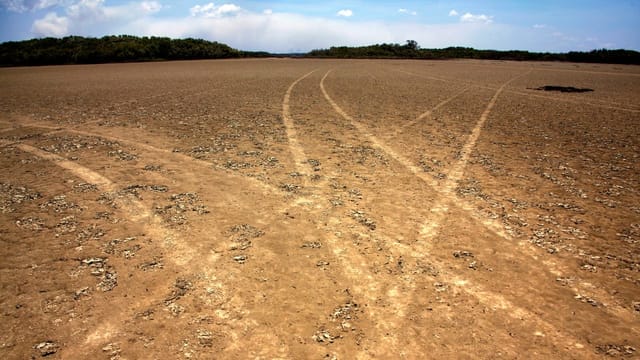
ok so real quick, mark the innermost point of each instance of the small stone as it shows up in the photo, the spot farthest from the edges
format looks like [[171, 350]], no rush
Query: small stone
[[312, 245], [47, 348], [462, 254]]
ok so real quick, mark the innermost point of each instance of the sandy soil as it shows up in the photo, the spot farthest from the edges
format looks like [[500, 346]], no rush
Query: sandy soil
[[314, 209]]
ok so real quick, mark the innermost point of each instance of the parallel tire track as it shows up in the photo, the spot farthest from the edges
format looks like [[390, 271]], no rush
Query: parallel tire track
[[354, 266]]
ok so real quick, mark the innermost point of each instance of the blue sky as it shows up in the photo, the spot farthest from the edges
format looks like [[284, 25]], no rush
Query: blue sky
[[295, 26]]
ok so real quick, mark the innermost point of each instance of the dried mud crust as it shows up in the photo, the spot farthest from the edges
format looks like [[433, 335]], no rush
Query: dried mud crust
[[320, 209]]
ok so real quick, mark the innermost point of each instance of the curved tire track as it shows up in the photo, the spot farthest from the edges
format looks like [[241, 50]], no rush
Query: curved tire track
[[420, 248], [299, 156]]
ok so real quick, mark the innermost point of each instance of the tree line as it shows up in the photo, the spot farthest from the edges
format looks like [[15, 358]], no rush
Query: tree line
[[411, 50], [126, 48], [108, 49]]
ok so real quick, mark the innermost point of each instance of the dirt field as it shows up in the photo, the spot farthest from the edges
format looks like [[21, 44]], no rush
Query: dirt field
[[320, 209]]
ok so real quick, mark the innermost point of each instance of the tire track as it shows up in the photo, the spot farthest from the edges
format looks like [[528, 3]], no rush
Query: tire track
[[183, 158], [417, 171], [603, 105], [427, 114], [609, 106], [354, 266], [447, 198], [438, 212], [447, 193], [299, 156], [180, 254], [420, 249], [135, 210]]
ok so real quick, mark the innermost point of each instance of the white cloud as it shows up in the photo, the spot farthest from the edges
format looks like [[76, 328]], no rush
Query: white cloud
[[51, 25], [30, 5], [539, 26], [150, 6], [90, 17], [286, 32], [93, 9], [472, 18], [345, 13], [210, 10], [267, 11], [453, 12], [406, 11]]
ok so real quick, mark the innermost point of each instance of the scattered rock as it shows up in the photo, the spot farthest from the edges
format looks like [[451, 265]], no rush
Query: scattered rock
[[586, 299], [589, 267], [312, 245], [113, 350], [315, 164], [360, 217], [31, 223], [81, 292], [85, 187], [59, 204], [440, 287], [123, 155], [180, 289], [290, 187], [462, 254], [615, 350], [11, 195], [109, 281], [151, 167], [183, 203], [47, 348], [150, 265], [241, 235], [205, 338], [323, 336]]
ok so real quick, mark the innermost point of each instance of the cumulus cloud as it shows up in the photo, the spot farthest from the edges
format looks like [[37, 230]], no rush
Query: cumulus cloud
[[407, 12], [30, 5], [288, 32], [267, 11], [150, 6], [453, 12], [472, 18], [83, 15], [275, 31], [345, 13], [210, 10], [51, 25]]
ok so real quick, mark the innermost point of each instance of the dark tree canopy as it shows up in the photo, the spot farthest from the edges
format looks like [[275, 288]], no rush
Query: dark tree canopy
[[412, 51], [121, 48], [126, 48]]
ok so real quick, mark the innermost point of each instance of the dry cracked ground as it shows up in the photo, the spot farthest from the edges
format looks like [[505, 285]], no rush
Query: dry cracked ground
[[320, 209]]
